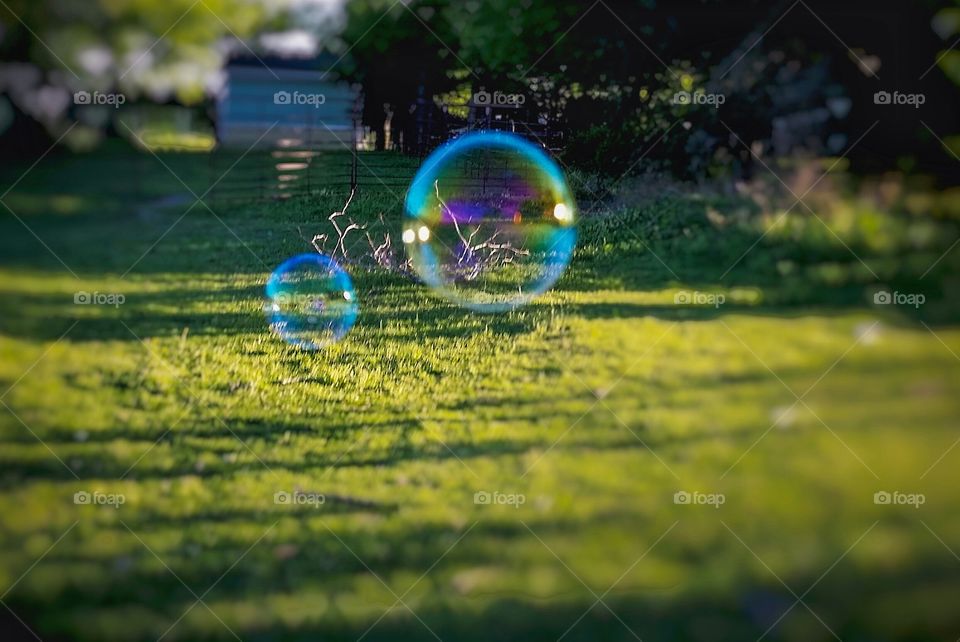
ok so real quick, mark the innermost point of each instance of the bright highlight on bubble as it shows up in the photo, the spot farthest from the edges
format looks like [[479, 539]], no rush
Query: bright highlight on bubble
[[310, 301], [489, 221]]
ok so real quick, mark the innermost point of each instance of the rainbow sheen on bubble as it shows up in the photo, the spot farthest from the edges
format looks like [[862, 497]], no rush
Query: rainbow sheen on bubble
[[490, 222], [310, 301]]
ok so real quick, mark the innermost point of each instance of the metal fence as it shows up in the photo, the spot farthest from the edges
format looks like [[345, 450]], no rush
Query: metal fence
[[304, 161]]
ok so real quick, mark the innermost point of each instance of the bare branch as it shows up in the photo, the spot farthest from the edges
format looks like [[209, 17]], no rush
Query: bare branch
[[480, 245], [372, 252]]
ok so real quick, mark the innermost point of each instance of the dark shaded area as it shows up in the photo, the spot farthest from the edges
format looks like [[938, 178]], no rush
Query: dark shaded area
[[653, 612]]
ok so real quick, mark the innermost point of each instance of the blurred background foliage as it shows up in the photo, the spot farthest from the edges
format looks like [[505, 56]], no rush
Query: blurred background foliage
[[582, 66]]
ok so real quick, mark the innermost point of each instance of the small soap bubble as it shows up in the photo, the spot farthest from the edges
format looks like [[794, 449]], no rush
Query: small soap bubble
[[310, 301]]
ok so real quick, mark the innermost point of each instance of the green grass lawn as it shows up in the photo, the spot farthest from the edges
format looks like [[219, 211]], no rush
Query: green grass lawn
[[797, 400]]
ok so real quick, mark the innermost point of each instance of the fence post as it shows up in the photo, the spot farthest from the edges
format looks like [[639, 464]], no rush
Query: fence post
[[211, 173], [261, 179], [353, 160]]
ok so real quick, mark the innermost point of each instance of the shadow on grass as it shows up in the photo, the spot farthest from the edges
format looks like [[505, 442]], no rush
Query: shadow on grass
[[96, 464], [328, 567]]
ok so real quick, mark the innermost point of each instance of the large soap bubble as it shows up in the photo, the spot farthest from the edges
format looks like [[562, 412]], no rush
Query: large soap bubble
[[310, 301], [490, 221]]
